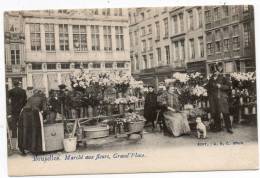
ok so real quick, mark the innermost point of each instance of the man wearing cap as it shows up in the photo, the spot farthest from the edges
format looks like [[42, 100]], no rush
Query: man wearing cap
[[17, 98]]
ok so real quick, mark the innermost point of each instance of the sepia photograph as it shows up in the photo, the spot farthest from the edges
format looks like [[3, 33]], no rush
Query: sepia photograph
[[128, 90]]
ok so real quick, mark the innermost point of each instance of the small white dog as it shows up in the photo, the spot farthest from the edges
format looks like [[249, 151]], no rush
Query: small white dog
[[201, 128]]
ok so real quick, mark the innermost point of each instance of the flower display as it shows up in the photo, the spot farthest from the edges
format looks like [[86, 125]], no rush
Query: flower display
[[199, 91], [121, 101], [181, 77]]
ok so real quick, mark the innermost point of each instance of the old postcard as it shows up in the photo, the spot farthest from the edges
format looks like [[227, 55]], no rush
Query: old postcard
[[128, 90]]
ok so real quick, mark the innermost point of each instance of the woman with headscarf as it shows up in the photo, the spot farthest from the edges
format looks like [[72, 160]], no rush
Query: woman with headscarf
[[176, 122], [30, 127]]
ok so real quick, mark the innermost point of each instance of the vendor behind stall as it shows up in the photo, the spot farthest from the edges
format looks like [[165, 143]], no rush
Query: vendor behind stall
[[30, 126]]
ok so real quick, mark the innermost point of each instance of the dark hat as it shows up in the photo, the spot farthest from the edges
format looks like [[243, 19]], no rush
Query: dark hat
[[62, 86], [29, 88], [16, 82]]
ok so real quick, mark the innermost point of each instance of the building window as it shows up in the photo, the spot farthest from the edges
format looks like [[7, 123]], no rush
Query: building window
[[106, 11], [201, 46], [246, 34], [177, 54], [182, 50], [65, 65], [136, 38], [157, 26], [145, 63], [49, 37], [191, 22], [235, 10], [150, 44], [235, 30], [143, 31], [95, 11], [85, 65], [208, 16], [218, 46], [167, 54], [64, 37], [77, 65], [226, 32], [79, 37], [95, 37], [166, 28], [192, 49], [108, 38], [96, 65], [142, 16], [151, 59], [225, 11], [137, 62], [175, 23], [15, 55], [217, 14], [236, 43], [143, 45], [119, 38], [118, 12], [217, 35], [109, 65], [159, 57], [51, 66], [120, 65], [181, 22], [210, 48], [150, 30], [245, 8], [226, 44], [36, 66], [209, 36], [200, 16], [35, 35]]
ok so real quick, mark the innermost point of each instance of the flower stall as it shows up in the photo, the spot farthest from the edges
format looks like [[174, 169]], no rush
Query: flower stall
[[244, 88], [108, 105]]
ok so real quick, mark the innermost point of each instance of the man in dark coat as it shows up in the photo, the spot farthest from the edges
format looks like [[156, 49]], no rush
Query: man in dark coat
[[219, 88], [150, 106], [17, 97]]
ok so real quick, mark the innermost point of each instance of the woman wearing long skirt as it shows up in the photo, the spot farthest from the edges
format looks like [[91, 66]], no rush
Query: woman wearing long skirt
[[30, 126], [175, 121]]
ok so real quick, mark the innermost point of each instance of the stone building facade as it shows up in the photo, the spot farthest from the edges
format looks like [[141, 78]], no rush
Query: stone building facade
[[230, 37], [58, 42]]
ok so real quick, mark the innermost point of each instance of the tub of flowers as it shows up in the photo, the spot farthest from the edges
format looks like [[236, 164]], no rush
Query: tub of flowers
[[134, 122]]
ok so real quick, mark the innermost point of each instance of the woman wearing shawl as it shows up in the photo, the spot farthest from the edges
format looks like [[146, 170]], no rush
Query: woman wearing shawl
[[176, 122], [30, 127]]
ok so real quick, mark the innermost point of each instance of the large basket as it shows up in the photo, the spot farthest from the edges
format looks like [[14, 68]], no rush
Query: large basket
[[136, 126], [96, 131]]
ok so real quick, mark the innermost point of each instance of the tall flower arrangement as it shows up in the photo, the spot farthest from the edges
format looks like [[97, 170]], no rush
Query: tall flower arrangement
[[189, 86]]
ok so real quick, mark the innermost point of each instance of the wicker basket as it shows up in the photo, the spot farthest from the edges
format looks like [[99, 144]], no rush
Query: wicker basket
[[96, 131], [136, 126]]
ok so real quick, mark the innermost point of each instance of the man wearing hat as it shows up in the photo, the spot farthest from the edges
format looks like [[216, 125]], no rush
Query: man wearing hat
[[17, 98], [219, 87]]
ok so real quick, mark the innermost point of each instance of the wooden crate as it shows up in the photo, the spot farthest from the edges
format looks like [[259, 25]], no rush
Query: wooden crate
[[54, 135]]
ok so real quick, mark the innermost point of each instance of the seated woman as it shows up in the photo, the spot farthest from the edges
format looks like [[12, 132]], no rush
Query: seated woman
[[30, 126], [176, 122]]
